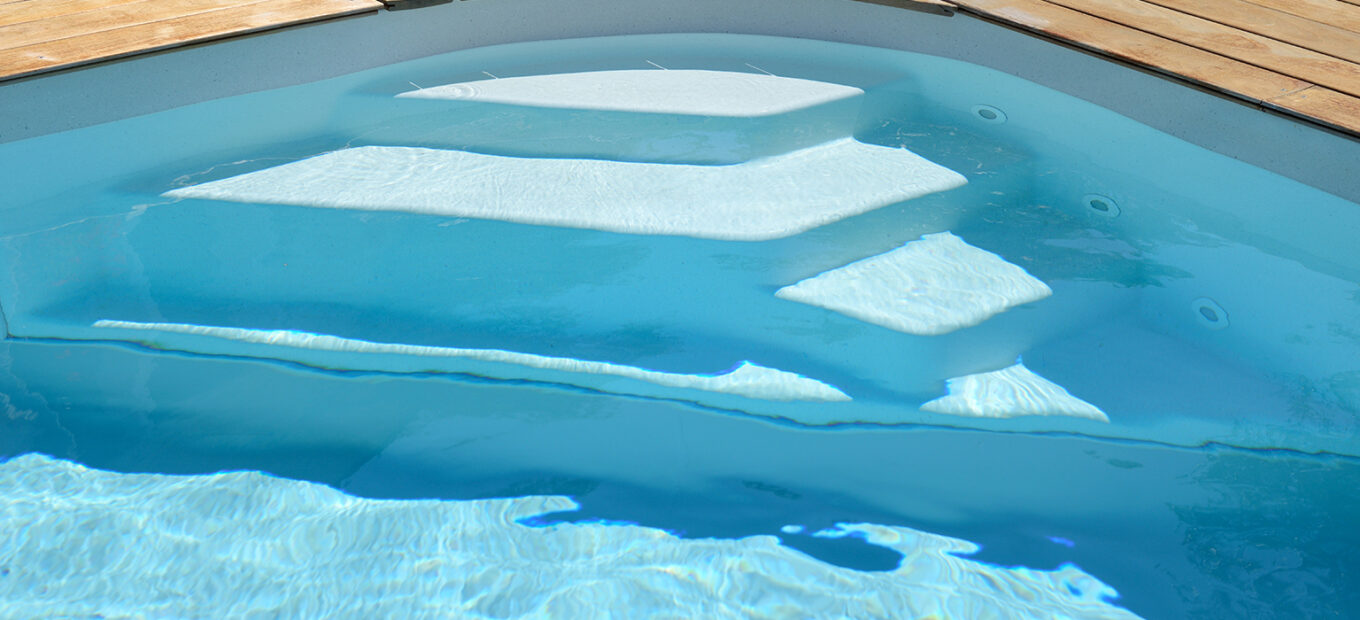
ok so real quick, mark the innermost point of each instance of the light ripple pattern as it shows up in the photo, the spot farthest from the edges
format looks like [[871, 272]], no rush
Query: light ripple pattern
[[654, 91], [747, 379], [928, 287], [756, 200], [84, 543], [1008, 393]]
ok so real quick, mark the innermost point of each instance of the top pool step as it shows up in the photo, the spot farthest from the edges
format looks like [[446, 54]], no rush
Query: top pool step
[[758, 200], [654, 91], [696, 116]]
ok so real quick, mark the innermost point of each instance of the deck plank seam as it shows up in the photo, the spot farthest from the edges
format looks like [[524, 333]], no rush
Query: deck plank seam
[[1291, 93], [1344, 16], [1124, 58], [125, 26], [52, 14], [1104, 53], [1283, 22], [35, 51], [1351, 68], [1263, 104]]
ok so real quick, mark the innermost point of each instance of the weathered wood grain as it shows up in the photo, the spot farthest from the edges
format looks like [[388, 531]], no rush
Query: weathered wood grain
[[1204, 68], [111, 17], [1334, 12], [1325, 106], [29, 10], [1280, 26], [124, 41], [1247, 47]]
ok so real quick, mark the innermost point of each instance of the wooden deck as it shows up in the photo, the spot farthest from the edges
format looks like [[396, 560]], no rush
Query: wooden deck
[[38, 36], [1298, 57]]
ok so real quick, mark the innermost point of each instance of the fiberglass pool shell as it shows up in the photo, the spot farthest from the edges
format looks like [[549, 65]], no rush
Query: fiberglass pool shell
[[1124, 329], [328, 337]]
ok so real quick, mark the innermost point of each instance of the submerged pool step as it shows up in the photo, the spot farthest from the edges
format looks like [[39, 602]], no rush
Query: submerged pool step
[[757, 200], [653, 91], [928, 287], [674, 116], [746, 380], [1010, 392]]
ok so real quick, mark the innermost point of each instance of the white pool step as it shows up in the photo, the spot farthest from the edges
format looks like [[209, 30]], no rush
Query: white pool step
[[652, 91], [756, 200], [747, 379], [927, 287], [1010, 392]]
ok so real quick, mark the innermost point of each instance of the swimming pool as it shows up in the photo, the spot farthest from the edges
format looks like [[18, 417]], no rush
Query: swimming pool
[[1118, 370]]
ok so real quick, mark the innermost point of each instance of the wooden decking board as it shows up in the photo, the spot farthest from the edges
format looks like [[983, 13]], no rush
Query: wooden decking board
[[1250, 48], [32, 10], [1263, 87], [1332, 12], [1322, 105], [1270, 23], [112, 17], [1164, 55], [147, 37]]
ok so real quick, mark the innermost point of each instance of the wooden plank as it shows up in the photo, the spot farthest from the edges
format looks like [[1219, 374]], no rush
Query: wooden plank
[[141, 38], [106, 18], [1326, 106], [1341, 15], [1305, 33], [1269, 89], [1189, 63], [1253, 49], [41, 9]]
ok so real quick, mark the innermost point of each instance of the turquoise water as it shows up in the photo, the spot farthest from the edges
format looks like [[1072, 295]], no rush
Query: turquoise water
[[325, 342]]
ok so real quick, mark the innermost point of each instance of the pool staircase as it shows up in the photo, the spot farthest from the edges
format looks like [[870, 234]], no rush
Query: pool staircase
[[473, 265], [764, 227]]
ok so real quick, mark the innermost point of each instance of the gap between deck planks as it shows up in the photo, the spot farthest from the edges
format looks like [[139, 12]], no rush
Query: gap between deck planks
[[1280, 26], [39, 36], [33, 10], [1257, 50], [1321, 11]]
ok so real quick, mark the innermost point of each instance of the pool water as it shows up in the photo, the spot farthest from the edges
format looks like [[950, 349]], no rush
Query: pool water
[[799, 328]]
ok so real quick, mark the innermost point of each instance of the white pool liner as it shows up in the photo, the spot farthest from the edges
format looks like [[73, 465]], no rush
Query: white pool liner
[[747, 379], [928, 287], [656, 91], [1008, 393], [752, 201], [85, 542]]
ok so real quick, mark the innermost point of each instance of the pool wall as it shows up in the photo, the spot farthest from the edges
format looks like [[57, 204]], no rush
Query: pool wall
[[1176, 198], [67, 100]]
